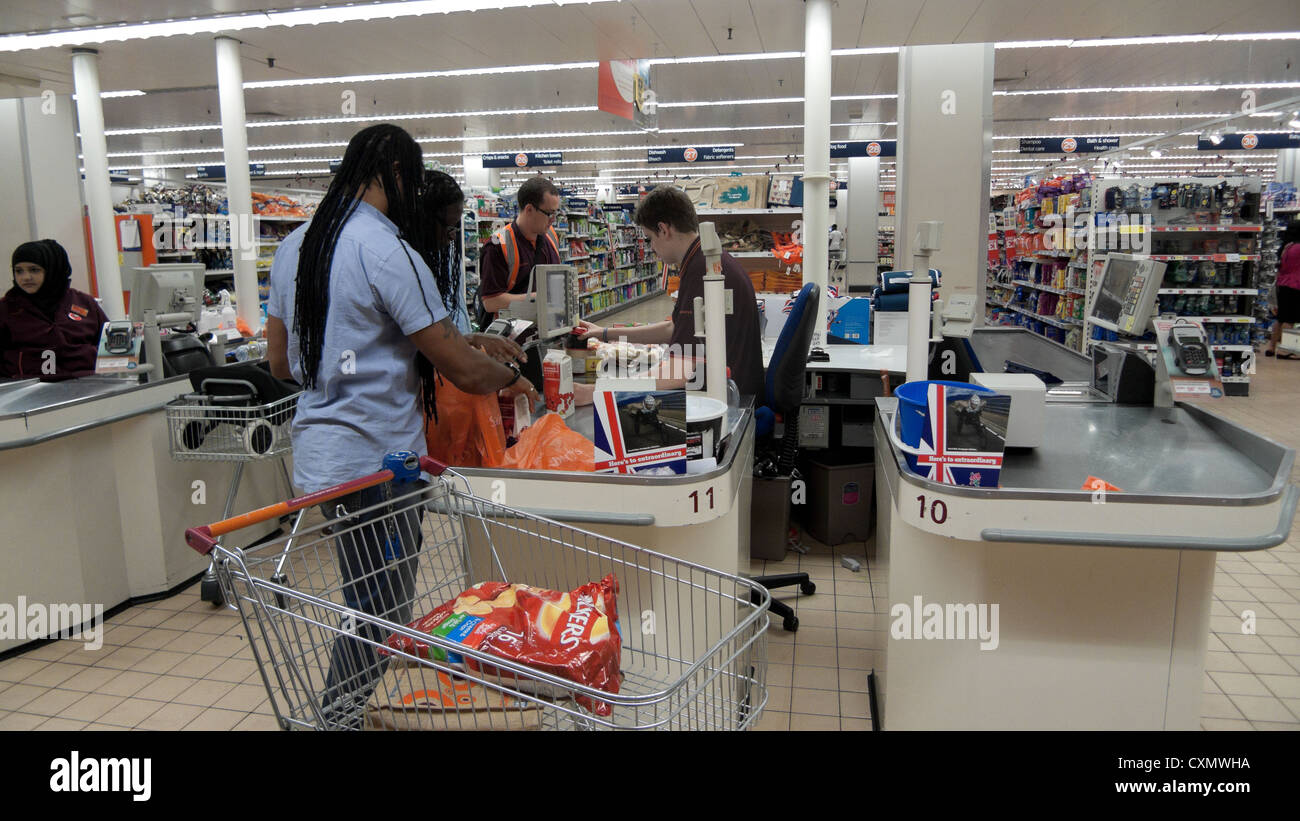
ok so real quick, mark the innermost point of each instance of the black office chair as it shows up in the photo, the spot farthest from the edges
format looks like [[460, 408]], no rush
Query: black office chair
[[784, 394]]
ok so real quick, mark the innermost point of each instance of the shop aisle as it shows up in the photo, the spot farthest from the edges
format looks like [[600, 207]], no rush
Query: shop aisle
[[178, 664]]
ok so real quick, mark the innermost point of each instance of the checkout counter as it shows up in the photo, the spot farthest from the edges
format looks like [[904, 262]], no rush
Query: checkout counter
[[1103, 598]]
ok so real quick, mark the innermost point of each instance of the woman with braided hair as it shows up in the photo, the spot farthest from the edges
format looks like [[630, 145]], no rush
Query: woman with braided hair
[[356, 317]]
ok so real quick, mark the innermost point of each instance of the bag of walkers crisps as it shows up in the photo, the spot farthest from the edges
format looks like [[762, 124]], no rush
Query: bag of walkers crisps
[[571, 635]]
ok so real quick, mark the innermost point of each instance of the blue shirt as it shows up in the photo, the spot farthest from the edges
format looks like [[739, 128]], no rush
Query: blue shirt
[[366, 399]]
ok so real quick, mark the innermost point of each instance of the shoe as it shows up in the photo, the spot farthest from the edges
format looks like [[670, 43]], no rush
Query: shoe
[[1270, 353]]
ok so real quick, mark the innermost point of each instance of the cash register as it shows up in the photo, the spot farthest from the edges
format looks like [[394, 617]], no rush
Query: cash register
[[1125, 302], [535, 322]]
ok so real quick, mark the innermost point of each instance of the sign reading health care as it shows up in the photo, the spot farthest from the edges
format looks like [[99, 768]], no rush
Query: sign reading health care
[[524, 159], [1249, 141], [864, 148], [702, 154], [1067, 145]]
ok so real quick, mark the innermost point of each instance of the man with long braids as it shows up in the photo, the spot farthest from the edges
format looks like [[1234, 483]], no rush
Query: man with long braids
[[356, 318]]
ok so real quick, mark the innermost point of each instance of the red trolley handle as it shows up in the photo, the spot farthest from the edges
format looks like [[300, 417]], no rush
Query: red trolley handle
[[204, 537]]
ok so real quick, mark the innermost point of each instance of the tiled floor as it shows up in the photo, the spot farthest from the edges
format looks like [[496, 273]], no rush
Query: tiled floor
[[180, 664]]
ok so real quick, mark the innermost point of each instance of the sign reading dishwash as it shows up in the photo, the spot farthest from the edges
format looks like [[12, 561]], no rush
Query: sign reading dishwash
[[703, 154], [1250, 141], [1067, 145], [524, 159], [864, 148], [623, 89], [640, 432]]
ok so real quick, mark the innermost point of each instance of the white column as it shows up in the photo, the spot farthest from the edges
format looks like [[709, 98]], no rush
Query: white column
[[54, 203], [239, 190], [945, 144], [861, 231], [817, 152], [99, 202], [1288, 166]]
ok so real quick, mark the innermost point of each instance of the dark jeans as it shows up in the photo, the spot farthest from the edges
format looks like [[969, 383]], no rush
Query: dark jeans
[[378, 558]]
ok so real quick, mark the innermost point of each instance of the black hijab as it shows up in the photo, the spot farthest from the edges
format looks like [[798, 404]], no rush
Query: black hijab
[[58, 274]]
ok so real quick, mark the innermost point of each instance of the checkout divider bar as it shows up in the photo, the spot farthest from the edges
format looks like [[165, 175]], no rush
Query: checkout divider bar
[[1264, 542]]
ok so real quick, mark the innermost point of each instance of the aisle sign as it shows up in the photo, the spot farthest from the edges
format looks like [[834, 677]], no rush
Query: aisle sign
[[1067, 145], [218, 172], [623, 89], [523, 159], [864, 148], [686, 154], [1250, 141]]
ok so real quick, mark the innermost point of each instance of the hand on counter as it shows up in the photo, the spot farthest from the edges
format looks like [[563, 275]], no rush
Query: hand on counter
[[582, 394], [522, 385], [497, 347]]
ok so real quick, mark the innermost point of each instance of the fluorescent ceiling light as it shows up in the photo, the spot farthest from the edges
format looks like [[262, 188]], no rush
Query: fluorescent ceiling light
[[109, 95], [1143, 41], [1033, 44], [421, 75], [1152, 40], [1141, 89], [350, 13], [1140, 117]]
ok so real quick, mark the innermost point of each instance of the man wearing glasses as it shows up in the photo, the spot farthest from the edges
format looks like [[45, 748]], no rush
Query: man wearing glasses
[[508, 259]]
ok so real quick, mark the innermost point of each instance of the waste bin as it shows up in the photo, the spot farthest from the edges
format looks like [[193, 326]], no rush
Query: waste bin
[[769, 517], [841, 485]]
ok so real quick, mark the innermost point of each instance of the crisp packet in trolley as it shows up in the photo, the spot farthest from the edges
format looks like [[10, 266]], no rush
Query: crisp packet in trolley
[[570, 635]]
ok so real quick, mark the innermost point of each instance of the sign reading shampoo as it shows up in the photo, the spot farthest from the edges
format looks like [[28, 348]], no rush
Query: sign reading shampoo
[[864, 148], [1067, 145], [529, 159], [704, 154]]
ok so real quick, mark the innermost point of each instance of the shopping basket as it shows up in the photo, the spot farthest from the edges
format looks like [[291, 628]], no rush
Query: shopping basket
[[694, 652], [236, 414]]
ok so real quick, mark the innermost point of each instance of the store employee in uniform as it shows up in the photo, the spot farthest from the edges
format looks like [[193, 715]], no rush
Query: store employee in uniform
[[668, 217], [508, 259], [48, 329]]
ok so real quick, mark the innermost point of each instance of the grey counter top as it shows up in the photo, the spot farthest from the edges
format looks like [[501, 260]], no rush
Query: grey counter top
[[32, 412]]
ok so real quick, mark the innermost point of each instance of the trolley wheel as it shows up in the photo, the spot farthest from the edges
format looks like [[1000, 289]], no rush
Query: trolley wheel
[[210, 591], [791, 624], [807, 588], [260, 437]]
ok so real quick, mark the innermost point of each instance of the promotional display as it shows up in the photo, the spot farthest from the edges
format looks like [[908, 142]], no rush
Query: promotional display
[[640, 432], [624, 90], [954, 433]]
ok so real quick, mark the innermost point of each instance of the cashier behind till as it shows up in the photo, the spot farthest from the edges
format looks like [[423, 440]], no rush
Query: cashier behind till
[[48, 329]]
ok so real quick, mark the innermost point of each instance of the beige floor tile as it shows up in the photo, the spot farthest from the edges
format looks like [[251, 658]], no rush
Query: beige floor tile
[[773, 721], [243, 697], [131, 712], [53, 674], [812, 618], [815, 702], [122, 634], [1225, 724], [1227, 624], [1262, 708], [159, 661], [1260, 663], [174, 603], [190, 642], [854, 705], [155, 638], [861, 639], [1287, 646], [171, 717], [266, 721], [1240, 684], [1246, 644], [1272, 595], [217, 720], [21, 668], [1209, 686], [1272, 626], [92, 707], [814, 655], [856, 659], [163, 688], [90, 679], [853, 681], [52, 702], [53, 651], [861, 621], [1284, 686], [817, 678], [855, 724], [777, 653], [101, 728], [124, 658], [779, 674], [188, 621], [21, 721], [126, 684], [819, 601], [1216, 644], [224, 646], [778, 699], [800, 722], [819, 636], [854, 604], [853, 588], [1293, 704], [1224, 663], [62, 725], [1274, 726], [204, 693], [147, 617], [1217, 705], [232, 670], [196, 666]]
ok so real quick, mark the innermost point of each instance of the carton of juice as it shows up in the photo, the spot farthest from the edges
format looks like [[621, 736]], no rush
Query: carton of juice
[[557, 382]]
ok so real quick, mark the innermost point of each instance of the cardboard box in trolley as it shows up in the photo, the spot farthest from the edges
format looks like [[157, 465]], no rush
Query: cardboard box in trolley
[[557, 382]]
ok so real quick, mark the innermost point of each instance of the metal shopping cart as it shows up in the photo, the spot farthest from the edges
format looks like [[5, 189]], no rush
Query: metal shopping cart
[[237, 414], [694, 640]]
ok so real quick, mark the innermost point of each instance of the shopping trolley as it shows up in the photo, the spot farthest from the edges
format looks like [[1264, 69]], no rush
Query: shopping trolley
[[228, 418], [694, 640]]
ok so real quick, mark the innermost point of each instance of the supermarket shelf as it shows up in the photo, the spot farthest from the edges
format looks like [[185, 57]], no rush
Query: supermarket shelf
[[1050, 320], [277, 218], [1206, 257], [219, 272], [1208, 229], [1241, 319], [1051, 252], [1151, 346], [721, 212], [1202, 291], [574, 259], [1238, 379], [1047, 288], [1031, 330], [612, 287], [577, 213], [622, 305], [751, 254], [625, 265]]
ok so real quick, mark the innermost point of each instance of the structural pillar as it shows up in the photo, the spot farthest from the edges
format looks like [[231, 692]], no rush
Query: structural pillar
[[945, 148], [239, 188], [817, 153], [861, 247], [99, 201]]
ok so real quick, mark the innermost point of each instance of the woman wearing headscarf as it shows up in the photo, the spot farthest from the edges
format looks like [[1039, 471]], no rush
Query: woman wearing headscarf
[[48, 329]]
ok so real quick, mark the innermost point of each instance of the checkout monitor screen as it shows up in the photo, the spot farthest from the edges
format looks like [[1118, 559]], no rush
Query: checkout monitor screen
[[554, 314], [1127, 293], [169, 288]]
